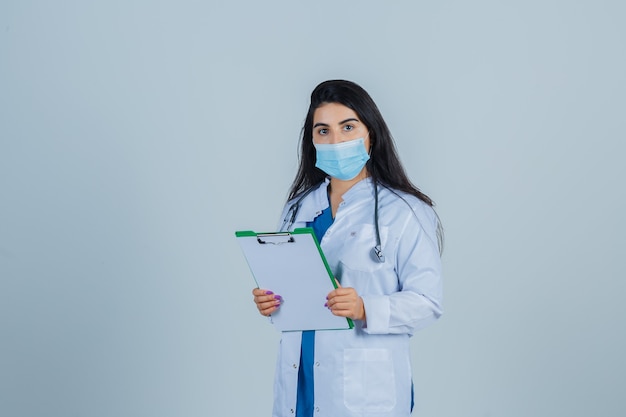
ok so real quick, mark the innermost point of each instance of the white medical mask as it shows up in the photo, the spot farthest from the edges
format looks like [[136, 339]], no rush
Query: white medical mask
[[343, 160]]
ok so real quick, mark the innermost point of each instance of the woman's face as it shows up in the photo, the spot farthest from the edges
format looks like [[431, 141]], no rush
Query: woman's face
[[335, 123]]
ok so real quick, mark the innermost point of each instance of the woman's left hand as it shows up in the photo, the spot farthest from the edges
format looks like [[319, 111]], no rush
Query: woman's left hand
[[345, 302]]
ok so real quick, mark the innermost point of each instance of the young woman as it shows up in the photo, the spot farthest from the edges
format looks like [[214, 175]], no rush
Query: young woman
[[381, 239]]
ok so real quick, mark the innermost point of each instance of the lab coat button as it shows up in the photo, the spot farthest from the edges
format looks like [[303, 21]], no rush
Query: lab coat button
[[317, 409], [317, 364], [295, 366], [292, 411]]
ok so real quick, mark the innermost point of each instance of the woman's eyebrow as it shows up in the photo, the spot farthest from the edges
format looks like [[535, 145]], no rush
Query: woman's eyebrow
[[351, 119]]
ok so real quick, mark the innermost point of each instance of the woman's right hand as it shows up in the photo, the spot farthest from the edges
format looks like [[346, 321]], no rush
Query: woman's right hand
[[266, 301]]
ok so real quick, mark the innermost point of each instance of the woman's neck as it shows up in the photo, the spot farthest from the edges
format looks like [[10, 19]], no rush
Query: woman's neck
[[339, 187]]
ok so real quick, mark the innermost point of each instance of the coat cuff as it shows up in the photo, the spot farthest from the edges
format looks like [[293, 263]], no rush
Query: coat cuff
[[377, 313]]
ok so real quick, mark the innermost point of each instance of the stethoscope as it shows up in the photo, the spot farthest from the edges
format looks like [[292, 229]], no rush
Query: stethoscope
[[377, 251]]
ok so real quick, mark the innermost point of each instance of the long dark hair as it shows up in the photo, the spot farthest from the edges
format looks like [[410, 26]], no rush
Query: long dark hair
[[384, 165]]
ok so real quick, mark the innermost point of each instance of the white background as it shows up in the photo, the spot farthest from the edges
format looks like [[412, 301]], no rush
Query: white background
[[137, 136]]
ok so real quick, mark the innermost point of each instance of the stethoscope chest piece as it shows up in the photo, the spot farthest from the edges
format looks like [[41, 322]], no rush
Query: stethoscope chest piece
[[377, 254]]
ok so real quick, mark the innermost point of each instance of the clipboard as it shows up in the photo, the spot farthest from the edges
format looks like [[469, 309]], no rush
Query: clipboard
[[293, 265]]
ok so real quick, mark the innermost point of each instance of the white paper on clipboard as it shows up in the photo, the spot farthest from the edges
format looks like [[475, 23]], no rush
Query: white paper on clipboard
[[293, 265]]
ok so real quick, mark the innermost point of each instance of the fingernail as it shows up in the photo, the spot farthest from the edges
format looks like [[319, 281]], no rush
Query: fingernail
[[325, 304], [268, 293], [278, 297]]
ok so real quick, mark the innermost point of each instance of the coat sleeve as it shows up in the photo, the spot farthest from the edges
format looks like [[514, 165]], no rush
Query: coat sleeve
[[417, 262]]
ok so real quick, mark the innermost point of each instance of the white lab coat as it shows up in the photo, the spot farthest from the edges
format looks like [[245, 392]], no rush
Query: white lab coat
[[366, 371]]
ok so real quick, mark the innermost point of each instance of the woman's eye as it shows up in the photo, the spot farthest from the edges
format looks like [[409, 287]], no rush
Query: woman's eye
[[322, 131], [348, 127]]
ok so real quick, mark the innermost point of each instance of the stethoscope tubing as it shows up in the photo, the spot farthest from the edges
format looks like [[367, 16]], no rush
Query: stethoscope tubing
[[293, 210]]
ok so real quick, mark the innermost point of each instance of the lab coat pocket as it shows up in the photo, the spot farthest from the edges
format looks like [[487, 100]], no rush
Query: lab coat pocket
[[358, 250], [368, 380]]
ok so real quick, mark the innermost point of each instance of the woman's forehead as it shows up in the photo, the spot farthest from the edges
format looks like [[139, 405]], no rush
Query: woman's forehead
[[333, 113]]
